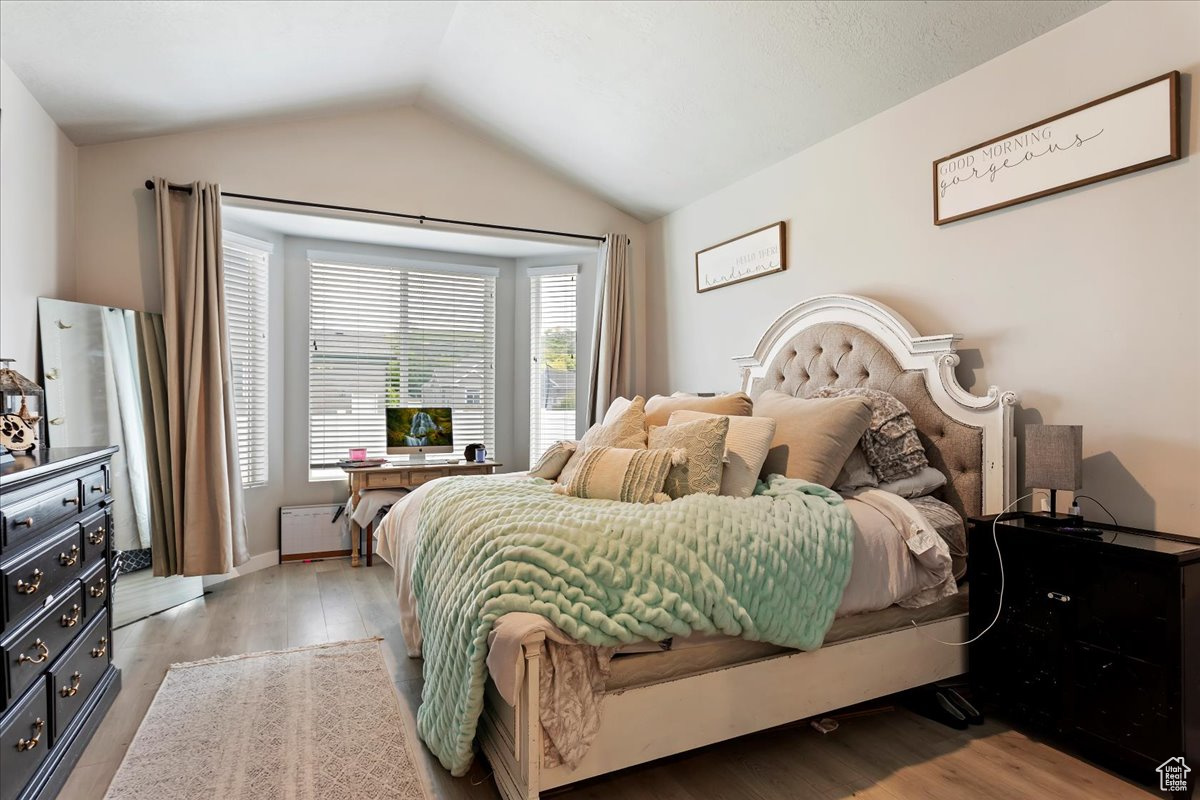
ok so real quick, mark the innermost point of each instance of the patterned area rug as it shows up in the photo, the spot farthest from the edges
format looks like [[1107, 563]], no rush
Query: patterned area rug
[[315, 723]]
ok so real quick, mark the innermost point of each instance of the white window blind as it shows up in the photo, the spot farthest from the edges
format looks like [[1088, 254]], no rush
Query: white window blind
[[387, 335], [246, 312], [552, 346]]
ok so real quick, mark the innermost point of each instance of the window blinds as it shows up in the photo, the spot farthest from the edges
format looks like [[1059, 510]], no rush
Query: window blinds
[[246, 312], [387, 335], [552, 351]]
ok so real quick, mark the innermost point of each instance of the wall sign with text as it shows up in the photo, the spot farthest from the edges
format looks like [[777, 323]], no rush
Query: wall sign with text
[[750, 255], [1124, 132]]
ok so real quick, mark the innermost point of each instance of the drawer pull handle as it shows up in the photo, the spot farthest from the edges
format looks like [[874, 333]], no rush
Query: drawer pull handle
[[69, 558], [38, 726], [98, 488], [101, 649], [70, 501], [1060, 597], [35, 580], [43, 654], [99, 589], [27, 522], [72, 620], [73, 689], [96, 536]]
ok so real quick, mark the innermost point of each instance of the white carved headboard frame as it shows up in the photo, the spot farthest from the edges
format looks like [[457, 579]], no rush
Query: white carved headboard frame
[[846, 340]]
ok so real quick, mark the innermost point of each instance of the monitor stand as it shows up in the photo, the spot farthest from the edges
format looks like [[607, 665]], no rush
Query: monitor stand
[[416, 458]]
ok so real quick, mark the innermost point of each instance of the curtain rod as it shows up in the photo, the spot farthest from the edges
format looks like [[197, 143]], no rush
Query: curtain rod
[[418, 217]]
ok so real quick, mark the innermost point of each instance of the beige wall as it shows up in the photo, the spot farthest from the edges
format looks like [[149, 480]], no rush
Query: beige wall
[[1086, 303], [402, 160], [37, 219]]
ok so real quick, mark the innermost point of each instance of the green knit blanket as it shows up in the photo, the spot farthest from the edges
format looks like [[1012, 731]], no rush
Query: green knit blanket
[[770, 568]]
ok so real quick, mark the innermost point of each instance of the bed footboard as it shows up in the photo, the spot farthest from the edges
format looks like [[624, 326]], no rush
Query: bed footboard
[[511, 738]]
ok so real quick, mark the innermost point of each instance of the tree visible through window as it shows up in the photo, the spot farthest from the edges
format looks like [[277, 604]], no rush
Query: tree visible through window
[[552, 369]]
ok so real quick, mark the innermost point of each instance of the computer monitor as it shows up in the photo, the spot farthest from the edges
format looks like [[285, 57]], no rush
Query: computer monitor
[[420, 430]]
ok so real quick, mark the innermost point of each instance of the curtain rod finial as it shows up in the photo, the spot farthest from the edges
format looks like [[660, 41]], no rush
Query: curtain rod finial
[[149, 183]]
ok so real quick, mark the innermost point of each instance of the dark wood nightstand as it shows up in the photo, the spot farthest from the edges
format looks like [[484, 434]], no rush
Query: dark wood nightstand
[[1098, 642]]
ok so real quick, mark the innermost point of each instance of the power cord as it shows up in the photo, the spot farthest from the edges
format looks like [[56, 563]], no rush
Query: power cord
[[1105, 510], [1000, 604]]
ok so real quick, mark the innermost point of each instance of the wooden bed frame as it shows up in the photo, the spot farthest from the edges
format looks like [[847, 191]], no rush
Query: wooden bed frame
[[648, 722]]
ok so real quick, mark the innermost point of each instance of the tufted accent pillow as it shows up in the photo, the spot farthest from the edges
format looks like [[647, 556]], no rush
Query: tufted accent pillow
[[551, 464], [704, 442], [813, 438], [746, 447], [626, 430], [630, 476], [660, 408], [890, 442]]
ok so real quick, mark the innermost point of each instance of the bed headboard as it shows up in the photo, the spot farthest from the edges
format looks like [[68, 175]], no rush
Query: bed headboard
[[850, 341]]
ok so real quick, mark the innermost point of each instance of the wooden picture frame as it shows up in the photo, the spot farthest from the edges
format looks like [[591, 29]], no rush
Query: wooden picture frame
[[1127, 131], [762, 251]]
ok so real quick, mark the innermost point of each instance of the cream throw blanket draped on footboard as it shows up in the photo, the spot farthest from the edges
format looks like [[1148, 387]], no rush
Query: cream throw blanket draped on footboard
[[771, 567]]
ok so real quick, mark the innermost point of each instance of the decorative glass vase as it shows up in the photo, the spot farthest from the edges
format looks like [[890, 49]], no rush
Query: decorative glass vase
[[21, 406]]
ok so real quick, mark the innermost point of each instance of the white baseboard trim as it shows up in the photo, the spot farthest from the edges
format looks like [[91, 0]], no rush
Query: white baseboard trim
[[260, 561]]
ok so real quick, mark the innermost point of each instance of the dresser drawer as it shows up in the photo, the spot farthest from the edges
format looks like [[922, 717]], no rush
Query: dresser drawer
[[34, 574], [75, 675], [96, 530], [94, 487], [24, 740], [95, 588], [30, 649], [30, 515]]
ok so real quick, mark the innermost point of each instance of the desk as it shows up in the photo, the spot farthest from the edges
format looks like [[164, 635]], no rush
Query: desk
[[400, 476]]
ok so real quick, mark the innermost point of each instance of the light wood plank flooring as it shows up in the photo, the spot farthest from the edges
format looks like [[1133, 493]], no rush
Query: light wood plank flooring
[[888, 756]]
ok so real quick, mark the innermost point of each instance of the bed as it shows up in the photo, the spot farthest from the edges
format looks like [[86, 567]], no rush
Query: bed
[[649, 708]]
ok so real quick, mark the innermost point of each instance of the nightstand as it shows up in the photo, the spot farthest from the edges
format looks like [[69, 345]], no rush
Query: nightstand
[[1098, 642]]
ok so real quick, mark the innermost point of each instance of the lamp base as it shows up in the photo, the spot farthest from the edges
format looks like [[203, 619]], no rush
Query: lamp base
[[1050, 520]]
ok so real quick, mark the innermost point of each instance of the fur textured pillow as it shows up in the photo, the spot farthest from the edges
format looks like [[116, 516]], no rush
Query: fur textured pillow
[[704, 442], [890, 444], [551, 464], [746, 447], [630, 476], [659, 408], [627, 430], [813, 438]]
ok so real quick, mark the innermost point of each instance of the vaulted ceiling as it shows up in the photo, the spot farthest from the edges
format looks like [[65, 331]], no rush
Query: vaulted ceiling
[[651, 105]]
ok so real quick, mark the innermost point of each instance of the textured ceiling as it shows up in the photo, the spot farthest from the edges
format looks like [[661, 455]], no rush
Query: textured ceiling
[[649, 104]]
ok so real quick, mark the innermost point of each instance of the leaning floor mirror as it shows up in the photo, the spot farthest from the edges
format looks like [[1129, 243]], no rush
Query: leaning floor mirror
[[105, 384]]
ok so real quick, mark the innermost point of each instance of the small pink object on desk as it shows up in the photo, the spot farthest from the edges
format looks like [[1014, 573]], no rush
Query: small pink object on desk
[[358, 453]]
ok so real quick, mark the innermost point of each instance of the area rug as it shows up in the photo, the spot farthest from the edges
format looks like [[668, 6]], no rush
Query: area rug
[[314, 723]]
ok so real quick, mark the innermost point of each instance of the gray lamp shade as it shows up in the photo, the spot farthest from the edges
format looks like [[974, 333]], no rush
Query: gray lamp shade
[[1053, 456]]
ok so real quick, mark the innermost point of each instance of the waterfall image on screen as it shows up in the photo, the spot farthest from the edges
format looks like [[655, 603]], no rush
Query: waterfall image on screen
[[423, 429]]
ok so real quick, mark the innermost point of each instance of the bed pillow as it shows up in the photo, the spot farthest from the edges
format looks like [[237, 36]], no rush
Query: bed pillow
[[626, 430], [890, 444], [659, 408], [924, 482], [856, 473], [615, 409], [627, 475], [704, 442], [746, 447], [551, 464], [813, 438]]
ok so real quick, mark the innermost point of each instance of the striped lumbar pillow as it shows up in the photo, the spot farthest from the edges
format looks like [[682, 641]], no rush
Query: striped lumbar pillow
[[614, 473]]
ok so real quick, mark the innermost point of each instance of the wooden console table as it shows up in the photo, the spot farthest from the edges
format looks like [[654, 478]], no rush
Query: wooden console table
[[400, 476]]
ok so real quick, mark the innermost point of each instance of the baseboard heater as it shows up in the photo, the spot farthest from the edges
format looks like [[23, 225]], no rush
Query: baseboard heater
[[310, 533]]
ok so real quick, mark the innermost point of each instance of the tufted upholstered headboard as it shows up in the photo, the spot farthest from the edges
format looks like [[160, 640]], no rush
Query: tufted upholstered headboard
[[850, 341]]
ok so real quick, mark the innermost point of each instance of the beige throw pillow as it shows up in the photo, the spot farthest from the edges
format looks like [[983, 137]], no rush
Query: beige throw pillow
[[746, 447], [626, 430], [813, 438], [659, 408], [551, 464], [704, 442], [613, 473]]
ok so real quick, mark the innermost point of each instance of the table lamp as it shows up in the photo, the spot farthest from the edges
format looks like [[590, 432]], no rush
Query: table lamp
[[1053, 461]]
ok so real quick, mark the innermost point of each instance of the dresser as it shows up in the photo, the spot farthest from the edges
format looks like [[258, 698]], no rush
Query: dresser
[[1098, 643], [55, 581]]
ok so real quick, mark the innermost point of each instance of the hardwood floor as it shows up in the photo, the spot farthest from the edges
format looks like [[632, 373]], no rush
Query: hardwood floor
[[887, 756]]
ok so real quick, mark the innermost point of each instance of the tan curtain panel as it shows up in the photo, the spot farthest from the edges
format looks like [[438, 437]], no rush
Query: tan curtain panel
[[612, 348], [209, 535]]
